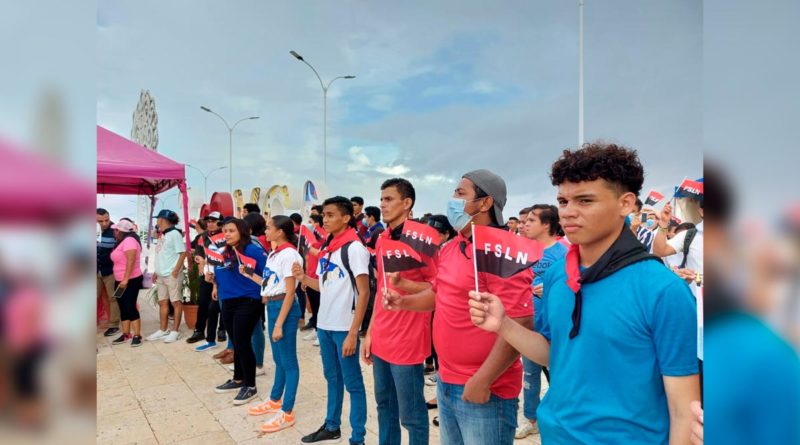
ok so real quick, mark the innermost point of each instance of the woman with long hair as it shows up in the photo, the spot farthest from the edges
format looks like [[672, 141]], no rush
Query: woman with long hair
[[241, 306], [278, 292], [128, 276]]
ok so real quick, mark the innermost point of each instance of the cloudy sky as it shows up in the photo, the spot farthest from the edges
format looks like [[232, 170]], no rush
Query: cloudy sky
[[442, 88]]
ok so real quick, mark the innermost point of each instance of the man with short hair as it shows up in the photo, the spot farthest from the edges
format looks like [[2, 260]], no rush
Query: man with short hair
[[541, 225], [251, 207], [480, 375], [618, 328], [513, 224], [168, 277], [358, 214], [105, 271], [344, 289], [374, 226], [397, 342]]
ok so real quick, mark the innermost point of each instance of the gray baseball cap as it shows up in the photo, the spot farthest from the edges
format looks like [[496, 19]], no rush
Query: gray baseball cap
[[494, 186]]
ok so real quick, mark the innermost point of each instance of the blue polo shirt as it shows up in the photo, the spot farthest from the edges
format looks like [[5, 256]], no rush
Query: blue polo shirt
[[606, 385], [232, 284]]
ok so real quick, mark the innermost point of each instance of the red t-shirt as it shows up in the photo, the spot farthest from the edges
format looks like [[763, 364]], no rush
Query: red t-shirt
[[402, 337], [463, 347], [312, 260]]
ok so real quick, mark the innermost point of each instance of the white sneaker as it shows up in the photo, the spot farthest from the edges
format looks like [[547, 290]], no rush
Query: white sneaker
[[315, 342], [157, 335], [260, 371], [311, 336], [431, 380], [172, 337], [526, 429]]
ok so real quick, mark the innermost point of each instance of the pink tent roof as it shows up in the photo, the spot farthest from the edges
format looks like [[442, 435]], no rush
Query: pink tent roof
[[126, 168], [34, 188]]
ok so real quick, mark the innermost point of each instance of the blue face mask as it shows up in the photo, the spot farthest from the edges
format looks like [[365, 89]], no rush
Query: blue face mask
[[650, 223], [365, 223], [456, 215]]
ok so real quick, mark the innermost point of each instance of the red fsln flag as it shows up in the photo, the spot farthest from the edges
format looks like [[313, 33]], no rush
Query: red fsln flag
[[397, 256], [692, 189], [321, 232], [307, 235], [248, 263], [218, 240], [420, 237], [504, 253], [653, 198], [214, 258]]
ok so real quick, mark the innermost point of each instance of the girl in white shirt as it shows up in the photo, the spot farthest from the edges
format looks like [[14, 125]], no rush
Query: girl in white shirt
[[278, 294]]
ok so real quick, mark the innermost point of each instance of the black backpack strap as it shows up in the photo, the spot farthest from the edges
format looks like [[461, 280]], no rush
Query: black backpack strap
[[346, 263], [690, 234]]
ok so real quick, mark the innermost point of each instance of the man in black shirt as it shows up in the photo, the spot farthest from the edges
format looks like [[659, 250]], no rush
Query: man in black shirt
[[105, 270]]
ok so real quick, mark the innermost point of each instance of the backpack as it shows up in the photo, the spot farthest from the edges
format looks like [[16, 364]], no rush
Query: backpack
[[690, 234]]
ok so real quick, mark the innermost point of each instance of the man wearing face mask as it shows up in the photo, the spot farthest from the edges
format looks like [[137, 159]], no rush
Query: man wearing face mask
[[647, 230], [480, 375]]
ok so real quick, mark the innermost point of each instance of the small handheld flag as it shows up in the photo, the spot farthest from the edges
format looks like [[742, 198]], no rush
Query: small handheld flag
[[503, 253], [218, 240], [248, 263], [397, 256], [214, 258], [691, 189], [653, 198], [420, 237]]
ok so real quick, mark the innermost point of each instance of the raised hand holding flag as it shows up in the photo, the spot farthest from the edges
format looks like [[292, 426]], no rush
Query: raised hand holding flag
[[653, 198], [247, 264]]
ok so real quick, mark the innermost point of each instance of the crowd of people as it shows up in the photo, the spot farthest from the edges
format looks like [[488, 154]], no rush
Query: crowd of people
[[608, 314]]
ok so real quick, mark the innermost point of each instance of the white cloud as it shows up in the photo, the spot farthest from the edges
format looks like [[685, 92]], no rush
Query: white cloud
[[482, 87], [395, 170]]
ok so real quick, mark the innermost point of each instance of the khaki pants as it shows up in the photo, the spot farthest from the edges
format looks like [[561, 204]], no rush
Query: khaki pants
[[109, 300]]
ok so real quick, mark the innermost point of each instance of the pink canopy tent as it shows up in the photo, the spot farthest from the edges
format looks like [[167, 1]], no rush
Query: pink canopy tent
[[34, 188], [126, 168]]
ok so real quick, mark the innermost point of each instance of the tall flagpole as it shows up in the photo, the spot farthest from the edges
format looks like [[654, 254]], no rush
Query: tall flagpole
[[580, 72]]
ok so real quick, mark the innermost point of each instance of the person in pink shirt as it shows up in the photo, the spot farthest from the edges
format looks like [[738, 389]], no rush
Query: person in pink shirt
[[128, 276]]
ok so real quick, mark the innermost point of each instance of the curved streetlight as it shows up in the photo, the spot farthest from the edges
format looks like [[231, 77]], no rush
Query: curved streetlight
[[324, 112], [230, 142], [205, 177]]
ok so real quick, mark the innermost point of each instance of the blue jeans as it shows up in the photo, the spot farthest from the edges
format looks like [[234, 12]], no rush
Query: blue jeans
[[532, 371], [259, 342], [465, 423], [284, 353], [400, 393], [343, 372]]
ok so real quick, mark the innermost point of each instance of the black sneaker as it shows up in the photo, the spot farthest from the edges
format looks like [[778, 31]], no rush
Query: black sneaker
[[322, 435], [228, 386], [221, 337], [121, 339], [137, 341], [196, 337], [110, 331], [245, 395]]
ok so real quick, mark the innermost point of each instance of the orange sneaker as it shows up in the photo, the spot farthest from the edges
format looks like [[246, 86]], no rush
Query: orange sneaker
[[280, 422], [268, 407]]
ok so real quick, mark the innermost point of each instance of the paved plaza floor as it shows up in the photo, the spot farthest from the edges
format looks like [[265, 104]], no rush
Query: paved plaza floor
[[164, 393]]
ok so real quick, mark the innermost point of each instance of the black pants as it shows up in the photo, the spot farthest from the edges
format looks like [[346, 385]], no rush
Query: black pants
[[214, 313], [368, 313], [203, 302], [433, 359], [241, 316], [127, 302], [301, 299], [313, 298]]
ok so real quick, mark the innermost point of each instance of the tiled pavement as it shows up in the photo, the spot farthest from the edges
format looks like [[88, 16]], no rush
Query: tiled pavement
[[164, 394]]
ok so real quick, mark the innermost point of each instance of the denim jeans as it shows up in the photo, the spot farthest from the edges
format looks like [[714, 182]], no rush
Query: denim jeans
[[343, 372], [465, 423], [284, 353], [400, 393], [532, 372]]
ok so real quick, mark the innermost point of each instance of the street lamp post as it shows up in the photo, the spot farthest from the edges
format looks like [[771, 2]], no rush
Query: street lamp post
[[324, 112], [230, 142], [205, 177]]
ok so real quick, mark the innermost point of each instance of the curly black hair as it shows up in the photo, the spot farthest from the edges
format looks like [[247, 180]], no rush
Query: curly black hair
[[616, 164]]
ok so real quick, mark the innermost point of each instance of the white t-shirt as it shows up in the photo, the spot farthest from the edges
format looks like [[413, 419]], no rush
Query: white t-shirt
[[695, 260], [337, 295], [278, 268]]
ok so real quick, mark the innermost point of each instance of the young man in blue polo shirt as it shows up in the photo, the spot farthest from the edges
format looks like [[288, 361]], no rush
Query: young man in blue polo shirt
[[618, 328]]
